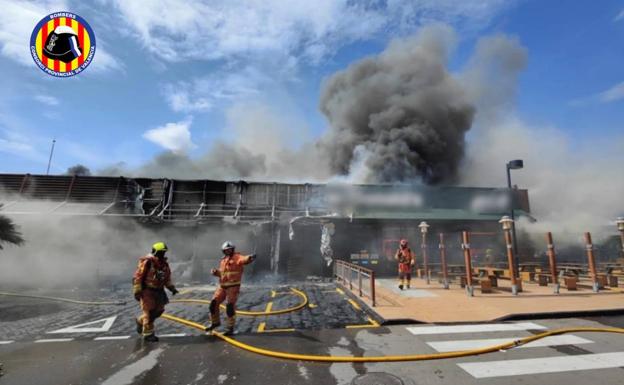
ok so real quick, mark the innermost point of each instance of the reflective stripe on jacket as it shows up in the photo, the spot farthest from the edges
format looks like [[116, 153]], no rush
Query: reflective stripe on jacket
[[231, 269]]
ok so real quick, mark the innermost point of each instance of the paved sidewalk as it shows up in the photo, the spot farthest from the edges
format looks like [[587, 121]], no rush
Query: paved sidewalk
[[433, 304]]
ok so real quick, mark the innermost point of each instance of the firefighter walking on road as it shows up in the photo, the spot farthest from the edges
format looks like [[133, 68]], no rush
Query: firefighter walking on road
[[406, 260], [151, 278], [230, 274]]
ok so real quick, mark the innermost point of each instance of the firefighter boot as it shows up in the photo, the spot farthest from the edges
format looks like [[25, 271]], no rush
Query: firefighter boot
[[231, 319], [150, 338], [139, 325], [215, 320]]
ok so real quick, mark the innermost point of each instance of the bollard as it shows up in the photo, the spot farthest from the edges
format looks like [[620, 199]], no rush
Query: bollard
[[552, 261], [468, 262], [591, 261], [445, 281]]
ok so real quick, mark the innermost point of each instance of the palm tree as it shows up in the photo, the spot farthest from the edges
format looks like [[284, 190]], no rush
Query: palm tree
[[8, 232]]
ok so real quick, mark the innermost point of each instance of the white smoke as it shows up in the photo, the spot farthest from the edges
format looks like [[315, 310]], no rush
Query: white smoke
[[573, 187]]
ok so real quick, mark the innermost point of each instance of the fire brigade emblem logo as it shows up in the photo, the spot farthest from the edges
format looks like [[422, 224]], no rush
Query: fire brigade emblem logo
[[62, 44]]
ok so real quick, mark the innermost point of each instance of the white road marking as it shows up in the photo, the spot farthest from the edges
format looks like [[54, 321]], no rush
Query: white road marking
[[6, 342], [172, 335], [453, 346], [543, 365], [107, 338], [474, 328], [54, 340], [106, 325]]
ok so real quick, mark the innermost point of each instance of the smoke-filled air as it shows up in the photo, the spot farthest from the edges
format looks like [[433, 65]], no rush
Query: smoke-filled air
[[403, 116]]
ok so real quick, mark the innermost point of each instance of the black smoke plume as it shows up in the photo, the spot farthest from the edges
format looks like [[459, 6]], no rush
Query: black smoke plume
[[399, 116]]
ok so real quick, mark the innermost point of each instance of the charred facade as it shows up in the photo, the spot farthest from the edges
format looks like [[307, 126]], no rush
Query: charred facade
[[296, 229]]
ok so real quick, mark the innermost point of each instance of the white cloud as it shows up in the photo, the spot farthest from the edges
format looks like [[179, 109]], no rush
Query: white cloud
[[620, 16], [15, 147], [14, 142], [175, 137], [612, 94], [182, 98], [104, 61], [226, 85], [47, 100], [17, 20], [308, 30]]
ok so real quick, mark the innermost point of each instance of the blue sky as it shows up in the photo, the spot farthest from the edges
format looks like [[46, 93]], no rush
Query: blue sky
[[181, 74]]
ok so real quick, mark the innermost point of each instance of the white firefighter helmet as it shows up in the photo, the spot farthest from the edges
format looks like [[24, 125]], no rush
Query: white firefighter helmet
[[227, 245]]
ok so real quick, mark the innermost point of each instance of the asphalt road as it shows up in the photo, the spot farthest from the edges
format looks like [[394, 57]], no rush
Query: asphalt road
[[186, 357]]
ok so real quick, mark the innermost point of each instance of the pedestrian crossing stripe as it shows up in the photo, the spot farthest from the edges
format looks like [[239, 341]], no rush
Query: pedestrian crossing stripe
[[557, 364], [474, 328], [111, 338], [461, 345], [82, 328], [6, 342], [45, 340]]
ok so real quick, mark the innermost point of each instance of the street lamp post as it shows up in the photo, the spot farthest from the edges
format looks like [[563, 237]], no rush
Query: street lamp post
[[515, 164], [50, 159], [423, 230], [620, 225], [507, 226]]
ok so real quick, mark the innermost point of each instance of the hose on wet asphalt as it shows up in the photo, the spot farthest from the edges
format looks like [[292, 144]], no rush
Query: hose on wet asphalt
[[393, 358]]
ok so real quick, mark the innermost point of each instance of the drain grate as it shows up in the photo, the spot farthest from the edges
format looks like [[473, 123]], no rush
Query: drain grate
[[377, 378]]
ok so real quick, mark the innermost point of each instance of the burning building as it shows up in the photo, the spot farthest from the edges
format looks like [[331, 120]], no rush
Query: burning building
[[296, 229]]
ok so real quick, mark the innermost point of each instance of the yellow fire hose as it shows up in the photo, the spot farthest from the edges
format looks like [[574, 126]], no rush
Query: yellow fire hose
[[300, 306], [399, 358], [8, 294], [350, 359]]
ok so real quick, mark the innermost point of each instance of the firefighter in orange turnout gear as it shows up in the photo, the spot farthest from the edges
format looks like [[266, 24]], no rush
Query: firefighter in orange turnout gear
[[406, 260], [230, 274], [148, 285]]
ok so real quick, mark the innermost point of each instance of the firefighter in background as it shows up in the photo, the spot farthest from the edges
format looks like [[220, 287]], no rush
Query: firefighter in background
[[150, 279], [406, 260], [230, 274]]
